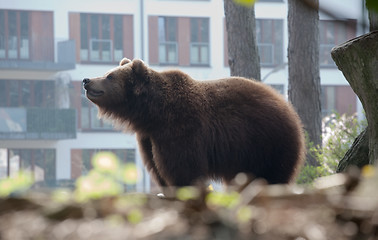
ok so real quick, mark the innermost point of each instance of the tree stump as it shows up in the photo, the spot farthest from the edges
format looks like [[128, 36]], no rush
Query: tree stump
[[358, 60], [357, 155]]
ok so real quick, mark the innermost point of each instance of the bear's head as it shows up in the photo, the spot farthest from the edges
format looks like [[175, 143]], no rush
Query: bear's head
[[111, 88], [116, 90]]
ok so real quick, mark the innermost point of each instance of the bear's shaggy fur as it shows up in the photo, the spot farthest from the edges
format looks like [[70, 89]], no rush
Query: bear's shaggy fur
[[191, 130]]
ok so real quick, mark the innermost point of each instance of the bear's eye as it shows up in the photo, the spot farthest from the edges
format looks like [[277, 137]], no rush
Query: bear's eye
[[109, 77]]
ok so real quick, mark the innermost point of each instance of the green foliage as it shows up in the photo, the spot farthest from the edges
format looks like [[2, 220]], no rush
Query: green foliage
[[223, 199], [244, 213], [107, 178], [246, 3], [372, 5], [187, 193], [309, 173], [135, 216], [339, 132], [22, 181]]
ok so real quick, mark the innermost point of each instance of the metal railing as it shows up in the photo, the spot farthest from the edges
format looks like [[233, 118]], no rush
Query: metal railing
[[37, 123]]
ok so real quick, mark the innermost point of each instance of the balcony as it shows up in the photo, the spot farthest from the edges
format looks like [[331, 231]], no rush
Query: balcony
[[26, 58], [37, 124]]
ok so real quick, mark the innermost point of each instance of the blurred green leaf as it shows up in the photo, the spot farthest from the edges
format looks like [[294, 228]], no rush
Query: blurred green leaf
[[61, 195], [372, 5], [105, 162], [187, 193], [135, 216], [227, 199], [22, 181], [246, 3], [131, 200], [130, 174], [244, 214], [96, 185], [114, 220]]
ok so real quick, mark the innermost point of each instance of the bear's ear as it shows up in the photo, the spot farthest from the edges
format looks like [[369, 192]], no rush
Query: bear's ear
[[139, 68], [124, 61], [141, 73]]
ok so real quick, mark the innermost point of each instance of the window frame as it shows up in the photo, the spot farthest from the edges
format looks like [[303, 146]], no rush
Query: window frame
[[349, 31], [175, 42], [167, 39], [20, 35], [276, 44], [201, 41], [88, 41]]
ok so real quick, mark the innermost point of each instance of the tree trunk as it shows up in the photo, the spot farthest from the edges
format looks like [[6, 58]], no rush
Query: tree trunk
[[373, 20], [243, 53], [304, 78], [358, 60], [357, 155]]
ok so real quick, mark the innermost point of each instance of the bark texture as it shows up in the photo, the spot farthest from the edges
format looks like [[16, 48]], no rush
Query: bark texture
[[357, 155], [373, 20], [243, 53], [358, 60], [304, 78]]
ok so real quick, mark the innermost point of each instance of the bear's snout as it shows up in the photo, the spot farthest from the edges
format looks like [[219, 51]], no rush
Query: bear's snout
[[86, 81], [92, 91]]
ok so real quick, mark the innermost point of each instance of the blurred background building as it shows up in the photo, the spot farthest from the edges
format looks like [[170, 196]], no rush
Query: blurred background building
[[47, 47]]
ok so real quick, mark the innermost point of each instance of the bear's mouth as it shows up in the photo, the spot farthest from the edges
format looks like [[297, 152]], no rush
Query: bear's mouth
[[94, 93]]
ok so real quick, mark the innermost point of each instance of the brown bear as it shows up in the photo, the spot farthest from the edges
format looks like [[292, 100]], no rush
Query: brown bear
[[190, 130]]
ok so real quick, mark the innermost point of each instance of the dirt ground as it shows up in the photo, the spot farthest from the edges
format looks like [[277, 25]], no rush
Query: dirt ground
[[338, 207]]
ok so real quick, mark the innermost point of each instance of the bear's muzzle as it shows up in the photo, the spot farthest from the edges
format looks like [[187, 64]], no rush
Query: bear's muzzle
[[91, 92]]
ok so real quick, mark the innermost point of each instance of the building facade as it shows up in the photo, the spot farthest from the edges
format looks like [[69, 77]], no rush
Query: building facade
[[47, 47]]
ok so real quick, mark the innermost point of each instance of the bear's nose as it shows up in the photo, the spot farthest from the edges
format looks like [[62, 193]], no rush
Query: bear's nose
[[86, 81]]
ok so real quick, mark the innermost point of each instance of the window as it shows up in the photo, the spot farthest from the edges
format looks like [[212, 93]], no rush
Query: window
[[269, 34], [331, 34], [168, 52], [14, 35], [41, 162], [101, 37], [180, 41], [89, 115], [199, 41], [341, 99], [27, 93]]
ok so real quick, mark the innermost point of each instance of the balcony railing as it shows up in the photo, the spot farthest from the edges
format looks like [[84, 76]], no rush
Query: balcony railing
[[37, 123]]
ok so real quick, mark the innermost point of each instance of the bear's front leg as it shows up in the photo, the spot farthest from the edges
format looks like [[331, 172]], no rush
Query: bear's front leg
[[180, 162], [145, 148]]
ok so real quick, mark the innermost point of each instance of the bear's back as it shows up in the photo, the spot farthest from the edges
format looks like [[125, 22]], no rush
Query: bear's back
[[253, 125]]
